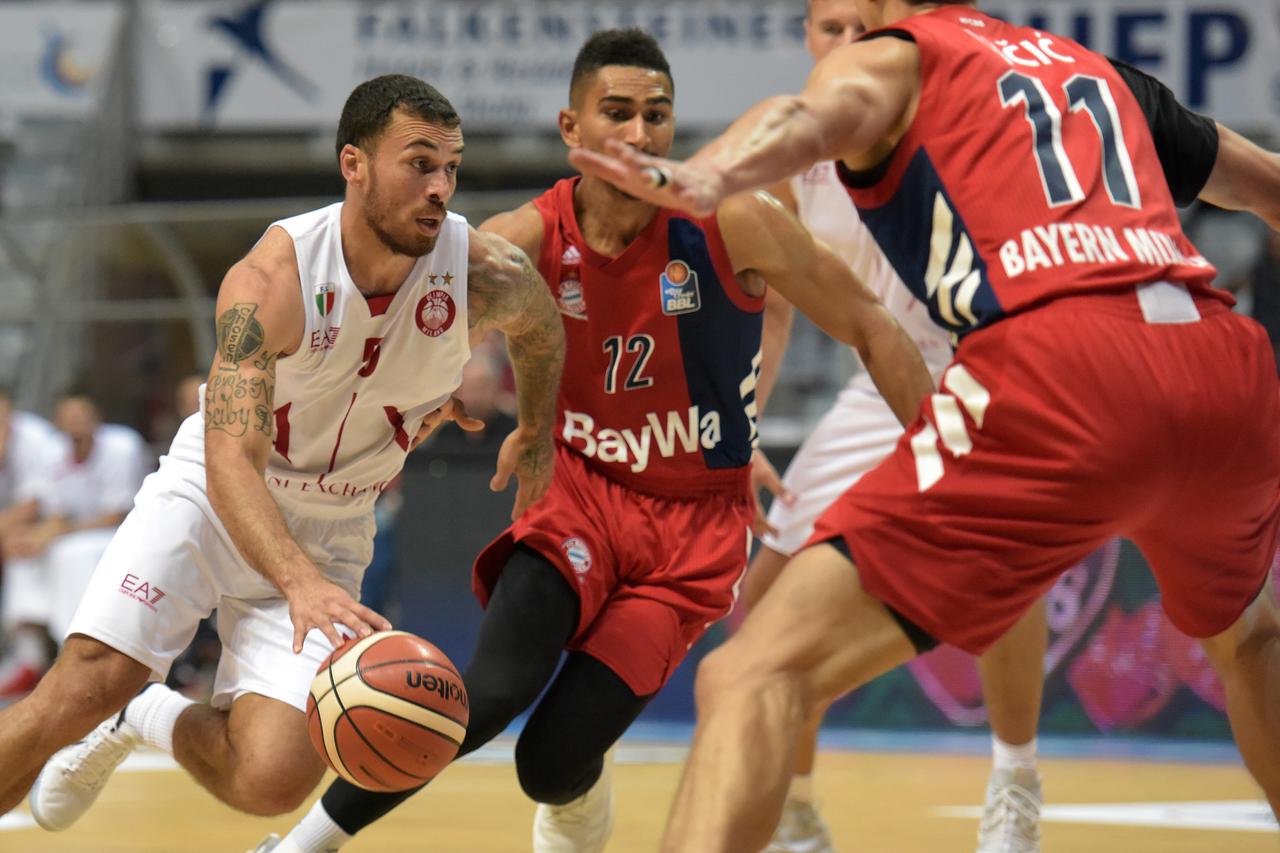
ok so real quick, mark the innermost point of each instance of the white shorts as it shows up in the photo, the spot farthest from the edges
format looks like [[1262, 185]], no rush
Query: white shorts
[[172, 562], [853, 437], [46, 589]]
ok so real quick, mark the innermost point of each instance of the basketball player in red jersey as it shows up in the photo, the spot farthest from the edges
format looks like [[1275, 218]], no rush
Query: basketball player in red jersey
[[642, 538], [1101, 387]]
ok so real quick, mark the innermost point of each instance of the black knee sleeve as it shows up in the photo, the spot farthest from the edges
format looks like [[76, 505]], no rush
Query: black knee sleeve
[[585, 711]]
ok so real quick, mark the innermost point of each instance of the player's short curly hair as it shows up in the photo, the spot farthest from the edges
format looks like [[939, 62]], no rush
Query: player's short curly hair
[[368, 109], [632, 47]]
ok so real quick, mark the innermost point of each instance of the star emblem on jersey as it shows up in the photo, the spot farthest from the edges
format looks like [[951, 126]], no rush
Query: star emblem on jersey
[[325, 294], [578, 554], [435, 313], [678, 285]]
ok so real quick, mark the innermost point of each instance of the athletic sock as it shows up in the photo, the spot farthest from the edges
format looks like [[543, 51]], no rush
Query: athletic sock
[[1009, 757], [154, 712], [801, 790], [316, 833]]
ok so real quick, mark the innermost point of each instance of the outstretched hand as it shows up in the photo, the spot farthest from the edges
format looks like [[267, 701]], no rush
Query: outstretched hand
[[691, 187], [530, 456]]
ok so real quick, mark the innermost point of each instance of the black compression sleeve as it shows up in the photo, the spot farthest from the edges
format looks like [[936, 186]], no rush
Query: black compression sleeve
[[1186, 142]]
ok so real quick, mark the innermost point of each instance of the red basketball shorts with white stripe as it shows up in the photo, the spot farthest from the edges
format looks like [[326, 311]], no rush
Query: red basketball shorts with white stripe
[[1057, 429]]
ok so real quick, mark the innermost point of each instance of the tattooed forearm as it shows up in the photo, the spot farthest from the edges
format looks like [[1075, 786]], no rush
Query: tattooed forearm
[[240, 335], [537, 353], [505, 292]]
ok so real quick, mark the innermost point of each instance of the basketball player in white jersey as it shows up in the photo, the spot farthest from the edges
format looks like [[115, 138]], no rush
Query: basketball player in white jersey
[[852, 438], [340, 335]]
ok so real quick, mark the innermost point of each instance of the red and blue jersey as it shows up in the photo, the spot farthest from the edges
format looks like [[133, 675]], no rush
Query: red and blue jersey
[[663, 352], [1028, 174]]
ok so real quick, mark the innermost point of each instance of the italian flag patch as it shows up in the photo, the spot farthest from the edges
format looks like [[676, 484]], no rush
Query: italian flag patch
[[324, 298]]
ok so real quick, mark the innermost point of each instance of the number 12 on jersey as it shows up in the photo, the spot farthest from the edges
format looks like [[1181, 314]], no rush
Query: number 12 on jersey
[[642, 345]]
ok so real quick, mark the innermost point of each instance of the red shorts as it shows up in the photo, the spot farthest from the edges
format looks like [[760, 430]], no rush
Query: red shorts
[[652, 573], [1057, 429]]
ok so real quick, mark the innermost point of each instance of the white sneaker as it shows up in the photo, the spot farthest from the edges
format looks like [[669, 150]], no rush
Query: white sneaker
[[275, 844], [800, 830], [1011, 816], [582, 826], [72, 779]]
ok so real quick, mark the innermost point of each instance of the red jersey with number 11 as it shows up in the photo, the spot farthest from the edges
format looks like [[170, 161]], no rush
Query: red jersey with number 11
[[1028, 174], [663, 352]]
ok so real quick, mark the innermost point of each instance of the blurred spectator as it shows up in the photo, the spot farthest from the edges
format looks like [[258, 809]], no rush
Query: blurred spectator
[[82, 497], [27, 446]]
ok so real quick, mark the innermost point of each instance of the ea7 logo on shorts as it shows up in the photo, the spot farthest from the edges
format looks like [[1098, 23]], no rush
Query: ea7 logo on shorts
[[578, 553], [140, 590]]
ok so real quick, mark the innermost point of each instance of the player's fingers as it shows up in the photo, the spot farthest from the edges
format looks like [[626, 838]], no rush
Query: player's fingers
[[299, 635], [523, 500], [424, 432], [372, 617], [506, 467], [327, 628], [469, 423], [501, 477], [599, 166], [760, 525], [463, 420]]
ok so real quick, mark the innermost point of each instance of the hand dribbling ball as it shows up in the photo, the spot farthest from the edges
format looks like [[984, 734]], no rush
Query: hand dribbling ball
[[387, 712]]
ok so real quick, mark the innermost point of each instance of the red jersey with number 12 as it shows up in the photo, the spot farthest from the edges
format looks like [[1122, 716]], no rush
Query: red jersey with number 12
[[663, 352], [1029, 172]]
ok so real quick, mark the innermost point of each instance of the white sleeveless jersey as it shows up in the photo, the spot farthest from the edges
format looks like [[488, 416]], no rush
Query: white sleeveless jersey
[[827, 211], [350, 399]]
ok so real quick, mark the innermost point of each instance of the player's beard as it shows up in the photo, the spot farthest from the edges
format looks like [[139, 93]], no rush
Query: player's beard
[[380, 215]]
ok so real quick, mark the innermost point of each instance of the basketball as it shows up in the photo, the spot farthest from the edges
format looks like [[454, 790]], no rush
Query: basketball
[[387, 712]]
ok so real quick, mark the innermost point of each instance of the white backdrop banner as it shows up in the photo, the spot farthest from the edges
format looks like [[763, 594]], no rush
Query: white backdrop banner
[[289, 64], [54, 56]]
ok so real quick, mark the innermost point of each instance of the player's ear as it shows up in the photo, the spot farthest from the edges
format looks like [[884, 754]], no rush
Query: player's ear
[[569, 128], [351, 162]]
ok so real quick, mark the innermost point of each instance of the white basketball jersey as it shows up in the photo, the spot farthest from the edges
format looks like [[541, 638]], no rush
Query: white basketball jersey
[[827, 211], [351, 398]]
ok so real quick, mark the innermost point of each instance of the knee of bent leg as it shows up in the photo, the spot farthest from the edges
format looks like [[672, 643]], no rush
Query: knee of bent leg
[[545, 778], [269, 787], [735, 670], [88, 683], [718, 673]]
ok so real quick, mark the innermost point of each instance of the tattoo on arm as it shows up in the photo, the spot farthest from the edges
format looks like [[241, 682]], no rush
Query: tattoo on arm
[[233, 402], [508, 294], [240, 335]]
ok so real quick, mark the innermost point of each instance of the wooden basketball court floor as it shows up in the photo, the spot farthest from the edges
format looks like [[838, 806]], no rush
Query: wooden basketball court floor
[[875, 802]]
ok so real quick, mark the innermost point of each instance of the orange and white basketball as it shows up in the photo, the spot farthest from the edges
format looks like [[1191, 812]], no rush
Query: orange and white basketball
[[387, 712]]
